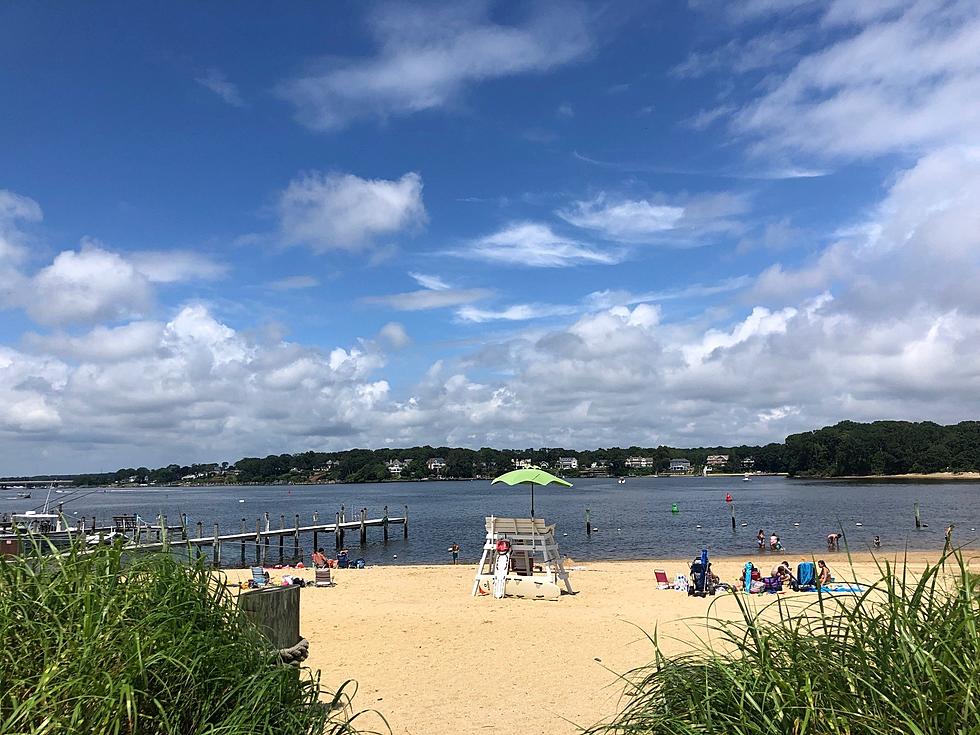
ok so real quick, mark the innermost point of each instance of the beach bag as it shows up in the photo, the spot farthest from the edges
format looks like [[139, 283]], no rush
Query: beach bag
[[773, 584], [806, 576], [757, 587], [680, 583], [359, 564]]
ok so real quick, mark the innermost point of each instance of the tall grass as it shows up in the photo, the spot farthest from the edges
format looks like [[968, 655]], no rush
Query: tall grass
[[95, 643], [903, 657]]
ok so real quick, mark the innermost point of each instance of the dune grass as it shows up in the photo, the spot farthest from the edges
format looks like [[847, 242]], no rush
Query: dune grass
[[101, 643], [902, 657]]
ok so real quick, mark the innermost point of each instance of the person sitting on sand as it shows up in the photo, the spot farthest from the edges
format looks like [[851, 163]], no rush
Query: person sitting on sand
[[824, 577], [319, 559]]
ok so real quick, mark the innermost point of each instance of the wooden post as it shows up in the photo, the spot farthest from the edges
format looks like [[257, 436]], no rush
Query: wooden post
[[296, 538], [336, 532], [385, 526], [405, 527], [316, 522], [918, 520], [258, 548], [363, 526], [267, 526], [243, 543], [200, 529], [588, 522], [138, 531], [343, 514], [183, 526], [282, 527], [159, 524], [733, 516], [163, 530], [216, 551]]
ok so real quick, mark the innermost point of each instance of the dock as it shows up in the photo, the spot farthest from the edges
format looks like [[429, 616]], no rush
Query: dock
[[165, 536]]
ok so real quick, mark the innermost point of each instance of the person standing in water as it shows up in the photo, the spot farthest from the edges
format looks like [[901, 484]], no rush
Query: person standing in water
[[455, 552], [761, 539]]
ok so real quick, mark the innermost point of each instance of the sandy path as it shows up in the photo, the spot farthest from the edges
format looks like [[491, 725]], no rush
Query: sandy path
[[433, 659]]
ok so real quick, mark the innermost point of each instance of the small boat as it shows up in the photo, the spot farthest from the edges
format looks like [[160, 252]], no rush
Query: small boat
[[746, 478], [23, 495], [621, 481]]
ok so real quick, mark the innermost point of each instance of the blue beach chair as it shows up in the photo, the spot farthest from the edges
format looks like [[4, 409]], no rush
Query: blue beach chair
[[806, 577], [701, 577], [260, 577]]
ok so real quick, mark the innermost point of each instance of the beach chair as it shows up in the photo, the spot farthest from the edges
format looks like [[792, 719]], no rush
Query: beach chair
[[260, 577], [806, 577], [322, 578], [701, 577], [663, 583]]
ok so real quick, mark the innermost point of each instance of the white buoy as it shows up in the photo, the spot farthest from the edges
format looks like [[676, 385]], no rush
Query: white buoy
[[241, 501], [564, 534], [744, 525], [619, 529], [698, 526], [796, 524], [394, 556], [859, 523]]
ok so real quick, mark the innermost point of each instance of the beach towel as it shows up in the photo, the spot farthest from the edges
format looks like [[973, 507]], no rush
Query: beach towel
[[680, 583], [842, 588], [747, 577], [806, 577]]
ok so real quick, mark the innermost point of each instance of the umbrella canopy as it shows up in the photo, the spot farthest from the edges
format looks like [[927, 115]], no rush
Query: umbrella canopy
[[533, 476]]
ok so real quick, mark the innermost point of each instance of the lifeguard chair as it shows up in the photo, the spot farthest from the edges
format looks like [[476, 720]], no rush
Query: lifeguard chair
[[535, 568]]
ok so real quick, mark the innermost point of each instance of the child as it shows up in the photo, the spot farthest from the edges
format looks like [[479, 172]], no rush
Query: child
[[761, 538], [455, 551]]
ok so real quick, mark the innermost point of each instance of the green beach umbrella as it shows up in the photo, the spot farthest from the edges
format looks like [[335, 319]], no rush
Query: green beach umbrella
[[533, 476]]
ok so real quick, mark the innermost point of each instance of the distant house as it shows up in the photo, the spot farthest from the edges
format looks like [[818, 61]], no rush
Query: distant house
[[543, 465], [717, 460], [395, 467], [567, 463], [600, 464], [520, 463], [748, 463], [436, 464], [680, 465], [640, 462]]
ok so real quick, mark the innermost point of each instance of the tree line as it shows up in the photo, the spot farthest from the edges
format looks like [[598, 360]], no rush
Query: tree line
[[847, 448]]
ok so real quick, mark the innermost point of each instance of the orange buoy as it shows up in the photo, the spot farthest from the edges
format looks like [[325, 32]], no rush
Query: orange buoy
[[728, 498]]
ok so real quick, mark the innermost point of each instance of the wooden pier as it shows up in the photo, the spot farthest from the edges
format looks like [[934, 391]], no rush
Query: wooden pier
[[164, 536]]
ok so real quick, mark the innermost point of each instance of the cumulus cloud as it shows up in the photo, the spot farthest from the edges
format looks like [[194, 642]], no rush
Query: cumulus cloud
[[534, 245], [513, 313], [394, 335], [84, 286], [15, 211], [426, 299], [173, 266], [215, 80], [344, 212], [427, 56]]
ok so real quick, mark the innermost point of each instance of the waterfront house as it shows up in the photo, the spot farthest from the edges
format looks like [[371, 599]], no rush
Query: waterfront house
[[567, 463], [680, 465], [520, 463], [717, 460], [436, 464], [644, 463]]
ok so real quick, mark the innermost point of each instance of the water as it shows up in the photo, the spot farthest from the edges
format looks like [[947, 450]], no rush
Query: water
[[633, 521]]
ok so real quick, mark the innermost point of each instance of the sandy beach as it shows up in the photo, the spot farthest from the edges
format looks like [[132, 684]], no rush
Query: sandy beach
[[432, 658]]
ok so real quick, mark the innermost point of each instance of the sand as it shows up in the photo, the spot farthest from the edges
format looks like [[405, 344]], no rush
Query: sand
[[433, 659]]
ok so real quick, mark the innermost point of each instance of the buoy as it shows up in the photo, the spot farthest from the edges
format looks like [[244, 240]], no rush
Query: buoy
[[619, 529], [564, 534], [394, 556], [673, 508], [744, 525], [796, 524], [241, 500], [698, 526], [728, 498], [859, 523]]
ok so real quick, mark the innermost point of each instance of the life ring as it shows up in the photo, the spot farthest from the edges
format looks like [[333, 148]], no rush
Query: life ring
[[503, 546]]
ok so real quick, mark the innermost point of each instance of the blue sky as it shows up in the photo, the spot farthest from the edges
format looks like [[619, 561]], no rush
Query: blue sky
[[225, 233]]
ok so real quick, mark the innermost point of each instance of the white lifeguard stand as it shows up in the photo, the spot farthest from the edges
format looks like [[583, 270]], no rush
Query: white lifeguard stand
[[533, 544]]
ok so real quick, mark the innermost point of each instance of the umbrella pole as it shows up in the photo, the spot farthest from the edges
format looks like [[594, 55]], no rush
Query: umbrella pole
[[532, 500]]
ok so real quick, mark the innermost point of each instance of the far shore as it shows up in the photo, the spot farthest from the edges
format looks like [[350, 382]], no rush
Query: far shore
[[911, 476]]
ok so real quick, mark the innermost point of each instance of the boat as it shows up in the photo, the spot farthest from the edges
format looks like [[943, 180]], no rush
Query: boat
[[621, 481], [23, 495], [34, 523], [746, 478]]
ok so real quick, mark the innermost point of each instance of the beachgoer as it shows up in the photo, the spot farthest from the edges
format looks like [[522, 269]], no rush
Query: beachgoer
[[949, 535], [319, 559], [831, 541], [824, 577], [343, 561], [755, 575], [761, 538], [455, 552], [877, 542], [773, 540]]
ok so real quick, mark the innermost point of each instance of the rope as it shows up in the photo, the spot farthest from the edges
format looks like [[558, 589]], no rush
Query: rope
[[294, 655]]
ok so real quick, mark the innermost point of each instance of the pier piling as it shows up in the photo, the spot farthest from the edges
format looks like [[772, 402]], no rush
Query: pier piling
[[336, 533], [363, 527], [243, 543], [588, 522], [216, 551], [316, 522], [386, 524], [258, 540], [296, 538], [282, 527]]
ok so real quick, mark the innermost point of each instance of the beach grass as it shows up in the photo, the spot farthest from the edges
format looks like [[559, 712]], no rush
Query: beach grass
[[104, 643], [901, 657]]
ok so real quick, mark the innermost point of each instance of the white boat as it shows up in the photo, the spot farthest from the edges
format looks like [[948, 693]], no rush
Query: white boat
[[622, 480], [746, 478], [23, 495], [32, 522]]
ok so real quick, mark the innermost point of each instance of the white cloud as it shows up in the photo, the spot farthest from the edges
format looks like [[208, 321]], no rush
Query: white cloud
[[342, 211], [173, 266], [15, 210], [683, 221], [84, 286], [215, 80], [101, 344], [294, 283], [534, 245], [759, 52], [394, 335], [430, 281], [513, 313], [429, 55], [895, 83], [428, 299]]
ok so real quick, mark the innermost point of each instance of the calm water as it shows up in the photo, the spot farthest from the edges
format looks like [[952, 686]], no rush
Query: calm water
[[633, 520]]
